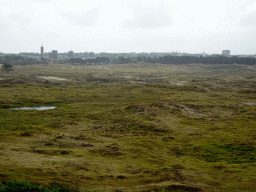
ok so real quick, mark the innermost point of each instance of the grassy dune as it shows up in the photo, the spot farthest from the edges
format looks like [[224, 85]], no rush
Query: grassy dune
[[136, 127]]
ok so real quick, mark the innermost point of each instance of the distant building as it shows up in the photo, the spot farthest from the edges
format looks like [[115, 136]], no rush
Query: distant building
[[242, 55], [1, 54], [175, 54], [226, 53], [42, 52], [54, 54], [198, 55]]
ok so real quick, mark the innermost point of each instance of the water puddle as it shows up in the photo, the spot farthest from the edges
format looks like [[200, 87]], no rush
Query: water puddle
[[36, 108]]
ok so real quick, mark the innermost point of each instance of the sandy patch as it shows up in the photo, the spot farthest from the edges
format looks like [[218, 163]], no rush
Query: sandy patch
[[128, 77], [190, 111], [54, 78], [249, 103]]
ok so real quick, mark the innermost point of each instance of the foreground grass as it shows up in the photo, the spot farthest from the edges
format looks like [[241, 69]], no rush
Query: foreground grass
[[114, 133], [23, 186]]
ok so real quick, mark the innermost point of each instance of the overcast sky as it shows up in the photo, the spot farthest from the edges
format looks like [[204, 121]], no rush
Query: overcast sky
[[192, 26]]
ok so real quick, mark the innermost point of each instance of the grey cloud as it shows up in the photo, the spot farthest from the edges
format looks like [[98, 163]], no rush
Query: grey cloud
[[20, 19], [44, 1], [4, 24], [249, 19], [149, 18], [86, 19], [17, 19]]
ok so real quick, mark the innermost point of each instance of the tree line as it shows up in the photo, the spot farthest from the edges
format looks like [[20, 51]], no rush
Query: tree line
[[167, 59], [20, 60], [205, 60], [80, 61]]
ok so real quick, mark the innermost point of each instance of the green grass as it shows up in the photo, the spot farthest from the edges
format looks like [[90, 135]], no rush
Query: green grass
[[144, 136], [231, 153], [73, 103]]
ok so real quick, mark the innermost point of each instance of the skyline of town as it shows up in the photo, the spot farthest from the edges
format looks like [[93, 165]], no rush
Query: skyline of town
[[224, 52]]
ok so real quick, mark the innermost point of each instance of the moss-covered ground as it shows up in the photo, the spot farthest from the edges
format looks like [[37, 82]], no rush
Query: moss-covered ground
[[136, 127]]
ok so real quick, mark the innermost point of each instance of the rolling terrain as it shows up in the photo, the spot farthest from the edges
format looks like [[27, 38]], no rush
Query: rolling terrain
[[131, 127]]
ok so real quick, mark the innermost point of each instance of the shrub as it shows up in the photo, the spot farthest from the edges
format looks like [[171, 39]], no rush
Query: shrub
[[23, 186]]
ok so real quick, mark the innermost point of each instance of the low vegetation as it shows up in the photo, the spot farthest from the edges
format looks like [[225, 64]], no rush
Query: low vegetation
[[136, 127], [22, 186]]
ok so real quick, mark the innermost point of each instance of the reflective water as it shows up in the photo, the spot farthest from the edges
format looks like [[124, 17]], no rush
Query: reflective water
[[36, 108]]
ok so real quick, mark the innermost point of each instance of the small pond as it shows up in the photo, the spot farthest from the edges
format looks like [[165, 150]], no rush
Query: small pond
[[35, 108]]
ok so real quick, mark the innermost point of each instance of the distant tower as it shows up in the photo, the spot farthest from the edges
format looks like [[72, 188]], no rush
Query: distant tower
[[42, 52]]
